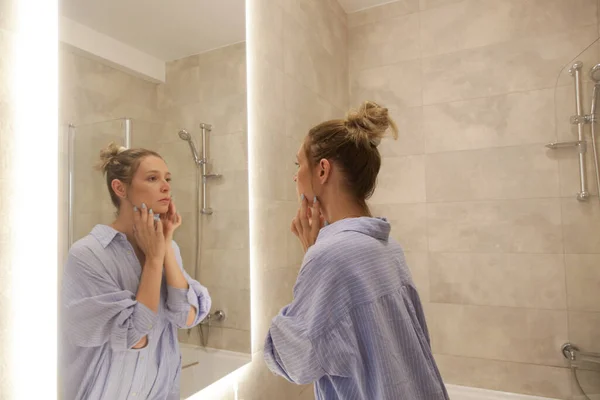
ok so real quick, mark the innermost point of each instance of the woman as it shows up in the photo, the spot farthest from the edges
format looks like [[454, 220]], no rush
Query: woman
[[356, 327], [125, 291]]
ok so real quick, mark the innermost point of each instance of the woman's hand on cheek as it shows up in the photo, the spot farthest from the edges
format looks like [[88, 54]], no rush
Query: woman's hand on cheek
[[171, 220], [308, 222]]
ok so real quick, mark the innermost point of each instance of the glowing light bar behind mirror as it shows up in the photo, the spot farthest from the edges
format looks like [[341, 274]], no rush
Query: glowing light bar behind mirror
[[35, 206]]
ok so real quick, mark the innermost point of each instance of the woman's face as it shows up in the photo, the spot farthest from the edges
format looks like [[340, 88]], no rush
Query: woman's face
[[303, 176], [151, 185]]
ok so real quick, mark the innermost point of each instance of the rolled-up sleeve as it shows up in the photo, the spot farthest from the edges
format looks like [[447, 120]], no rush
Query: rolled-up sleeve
[[97, 311], [289, 352], [179, 301]]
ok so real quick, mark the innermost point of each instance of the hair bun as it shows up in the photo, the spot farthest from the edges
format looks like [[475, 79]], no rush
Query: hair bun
[[369, 124], [109, 154]]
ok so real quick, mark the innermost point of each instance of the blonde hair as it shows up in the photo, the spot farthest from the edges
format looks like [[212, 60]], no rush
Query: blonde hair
[[352, 143], [120, 163]]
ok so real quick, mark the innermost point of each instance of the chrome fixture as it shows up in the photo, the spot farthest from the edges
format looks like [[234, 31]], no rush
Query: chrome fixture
[[575, 71], [573, 354], [580, 119], [185, 135], [595, 75], [219, 316], [206, 176], [575, 357], [201, 162]]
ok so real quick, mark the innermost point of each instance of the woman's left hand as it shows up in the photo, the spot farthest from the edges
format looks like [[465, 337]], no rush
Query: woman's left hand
[[307, 223], [171, 220]]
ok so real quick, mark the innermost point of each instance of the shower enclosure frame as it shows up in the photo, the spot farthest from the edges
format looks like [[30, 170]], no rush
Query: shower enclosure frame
[[71, 133]]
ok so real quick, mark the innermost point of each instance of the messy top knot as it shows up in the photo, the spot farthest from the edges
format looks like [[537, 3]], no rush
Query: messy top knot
[[369, 124], [118, 162], [351, 144], [109, 155]]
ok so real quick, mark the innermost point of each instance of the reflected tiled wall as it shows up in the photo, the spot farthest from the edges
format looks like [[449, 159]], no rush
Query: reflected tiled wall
[[7, 37], [211, 88], [504, 256], [299, 78]]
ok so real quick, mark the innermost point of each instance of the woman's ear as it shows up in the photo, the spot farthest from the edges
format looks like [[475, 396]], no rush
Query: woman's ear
[[119, 188], [324, 170]]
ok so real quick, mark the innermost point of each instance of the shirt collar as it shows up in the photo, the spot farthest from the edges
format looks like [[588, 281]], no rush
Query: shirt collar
[[105, 234], [378, 228]]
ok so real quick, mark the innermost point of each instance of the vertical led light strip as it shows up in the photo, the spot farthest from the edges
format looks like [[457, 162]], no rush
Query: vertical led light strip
[[251, 56], [35, 206]]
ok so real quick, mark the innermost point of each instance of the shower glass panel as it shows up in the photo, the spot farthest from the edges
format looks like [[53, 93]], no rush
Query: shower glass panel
[[574, 151], [89, 203]]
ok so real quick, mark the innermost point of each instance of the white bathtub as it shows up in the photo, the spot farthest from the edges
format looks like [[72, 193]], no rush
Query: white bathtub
[[469, 393], [201, 368]]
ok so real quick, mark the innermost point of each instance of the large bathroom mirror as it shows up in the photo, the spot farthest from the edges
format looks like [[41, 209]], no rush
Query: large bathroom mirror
[[170, 77], [576, 147]]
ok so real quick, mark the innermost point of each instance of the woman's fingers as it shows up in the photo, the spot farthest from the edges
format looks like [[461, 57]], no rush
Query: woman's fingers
[[144, 214], [150, 220], [296, 227], [304, 214], [136, 218], [315, 218]]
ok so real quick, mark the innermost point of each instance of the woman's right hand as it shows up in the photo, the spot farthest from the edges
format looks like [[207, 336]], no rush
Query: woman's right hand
[[149, 235]]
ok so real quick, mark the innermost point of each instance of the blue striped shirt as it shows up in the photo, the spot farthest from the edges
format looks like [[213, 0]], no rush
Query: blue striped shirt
[[356, 327], [101, 321]]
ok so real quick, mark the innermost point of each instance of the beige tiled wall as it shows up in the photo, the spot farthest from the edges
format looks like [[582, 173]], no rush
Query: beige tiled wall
[[7, 37], [211, 88], [503, 254], [299, 78]]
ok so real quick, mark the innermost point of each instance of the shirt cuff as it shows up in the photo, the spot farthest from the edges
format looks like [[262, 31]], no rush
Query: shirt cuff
[[179, 300], [143, 318]]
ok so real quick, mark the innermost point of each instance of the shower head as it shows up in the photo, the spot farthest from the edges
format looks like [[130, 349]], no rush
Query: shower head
[[595, 73], [185, 135]]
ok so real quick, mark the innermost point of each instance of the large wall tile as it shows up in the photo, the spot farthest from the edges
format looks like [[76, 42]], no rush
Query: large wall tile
[[491, 279], [518, 65], [584, 330], [515, 226], [400, 180], [502, 173], [409, 224], [395, 86], [498, 333], [583, 281], [476, 23], [384, 43], [580, 226], [506, 376], [505, 120]]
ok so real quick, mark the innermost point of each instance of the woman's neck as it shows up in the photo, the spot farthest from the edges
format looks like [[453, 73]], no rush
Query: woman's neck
[[342, 209], [124, 224]]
